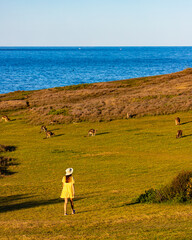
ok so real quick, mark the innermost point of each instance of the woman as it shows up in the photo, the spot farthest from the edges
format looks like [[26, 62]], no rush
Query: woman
[[68, 189]]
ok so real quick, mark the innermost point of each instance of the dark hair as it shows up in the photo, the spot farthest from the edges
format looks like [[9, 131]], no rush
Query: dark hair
[[68, 178]]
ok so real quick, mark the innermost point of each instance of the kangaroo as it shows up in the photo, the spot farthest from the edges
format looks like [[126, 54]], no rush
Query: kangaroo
[[179, 134], [131, 115], [5, 118], [92, 132], [49, 134], [43, 129], [27, 103], [53, 122], [177, 121]]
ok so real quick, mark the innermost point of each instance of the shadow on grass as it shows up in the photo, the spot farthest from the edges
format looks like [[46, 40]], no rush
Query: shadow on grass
[[131, 203], [126, 204], [133, 130], [27, 204], [14, 198], [7, 173], [189, 135], [4, 148], [82, 197], [59, 135], [86, 211], [10, 148], [185, 123], [102, 133], [24, 205], [7, 203], [5, 163]]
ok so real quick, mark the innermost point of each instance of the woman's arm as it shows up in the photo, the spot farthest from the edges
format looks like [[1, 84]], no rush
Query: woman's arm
[[63, 181]]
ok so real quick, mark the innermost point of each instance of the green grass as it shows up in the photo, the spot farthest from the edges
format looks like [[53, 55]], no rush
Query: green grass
[[123, 160], [64, 111], [74, 87], [17, 95]]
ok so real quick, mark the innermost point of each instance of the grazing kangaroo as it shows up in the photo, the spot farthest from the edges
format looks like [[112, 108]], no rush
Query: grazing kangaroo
[[5, 118], [179, 134], [27, 103], [53, 122], [49, 134], [131, 115], [92, 132], [43, 129], [177, 121]]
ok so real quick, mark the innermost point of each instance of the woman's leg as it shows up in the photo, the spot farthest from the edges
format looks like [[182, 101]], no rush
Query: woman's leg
[[65, 206], [72, 205]]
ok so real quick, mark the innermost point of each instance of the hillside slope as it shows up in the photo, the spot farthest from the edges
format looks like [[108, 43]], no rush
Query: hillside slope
[[156, 95]]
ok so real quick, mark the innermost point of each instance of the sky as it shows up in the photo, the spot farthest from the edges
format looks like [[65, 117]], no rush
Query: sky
[[95, 23]]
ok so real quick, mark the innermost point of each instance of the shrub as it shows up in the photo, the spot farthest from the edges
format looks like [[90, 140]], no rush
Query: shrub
[[64, 111], [4, 164], [180, 190], [148, 196]]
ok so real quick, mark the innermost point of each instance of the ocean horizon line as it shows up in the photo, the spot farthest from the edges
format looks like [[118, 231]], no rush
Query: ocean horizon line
[[95, 46]]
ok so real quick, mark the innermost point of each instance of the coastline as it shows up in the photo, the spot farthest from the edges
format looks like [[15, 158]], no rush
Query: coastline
[[35, 68], [163, 94]]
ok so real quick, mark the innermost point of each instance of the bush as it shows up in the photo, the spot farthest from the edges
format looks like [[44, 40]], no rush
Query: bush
[[5, 162], [64, 111], [180, 190], [148, 196], [4, 165]]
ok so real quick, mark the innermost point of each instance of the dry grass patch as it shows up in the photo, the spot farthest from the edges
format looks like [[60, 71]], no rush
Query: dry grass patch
[[100, 154], [156, 95]]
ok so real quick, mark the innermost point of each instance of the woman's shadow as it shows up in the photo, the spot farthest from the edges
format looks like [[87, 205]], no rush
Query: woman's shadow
[[26, 203]]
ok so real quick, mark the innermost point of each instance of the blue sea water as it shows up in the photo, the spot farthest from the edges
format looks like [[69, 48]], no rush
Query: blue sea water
[[30, 68]]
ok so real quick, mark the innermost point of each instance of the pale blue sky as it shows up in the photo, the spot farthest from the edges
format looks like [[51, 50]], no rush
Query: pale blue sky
[[96, 23]]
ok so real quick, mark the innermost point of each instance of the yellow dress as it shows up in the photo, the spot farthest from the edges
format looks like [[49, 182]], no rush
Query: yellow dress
[[68, 190]]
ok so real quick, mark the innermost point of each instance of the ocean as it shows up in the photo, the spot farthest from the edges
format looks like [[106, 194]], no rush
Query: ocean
[[32, 68]]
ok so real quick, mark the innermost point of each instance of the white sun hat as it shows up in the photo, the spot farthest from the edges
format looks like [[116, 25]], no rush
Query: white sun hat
[[69, 171]]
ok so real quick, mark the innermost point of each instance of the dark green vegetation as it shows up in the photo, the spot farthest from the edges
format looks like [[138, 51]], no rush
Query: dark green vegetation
[[124, 159], [5, 162], [64, 112], [180, 190]]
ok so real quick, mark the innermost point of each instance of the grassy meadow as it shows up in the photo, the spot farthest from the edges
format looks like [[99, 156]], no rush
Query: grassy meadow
[[124, 159]]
